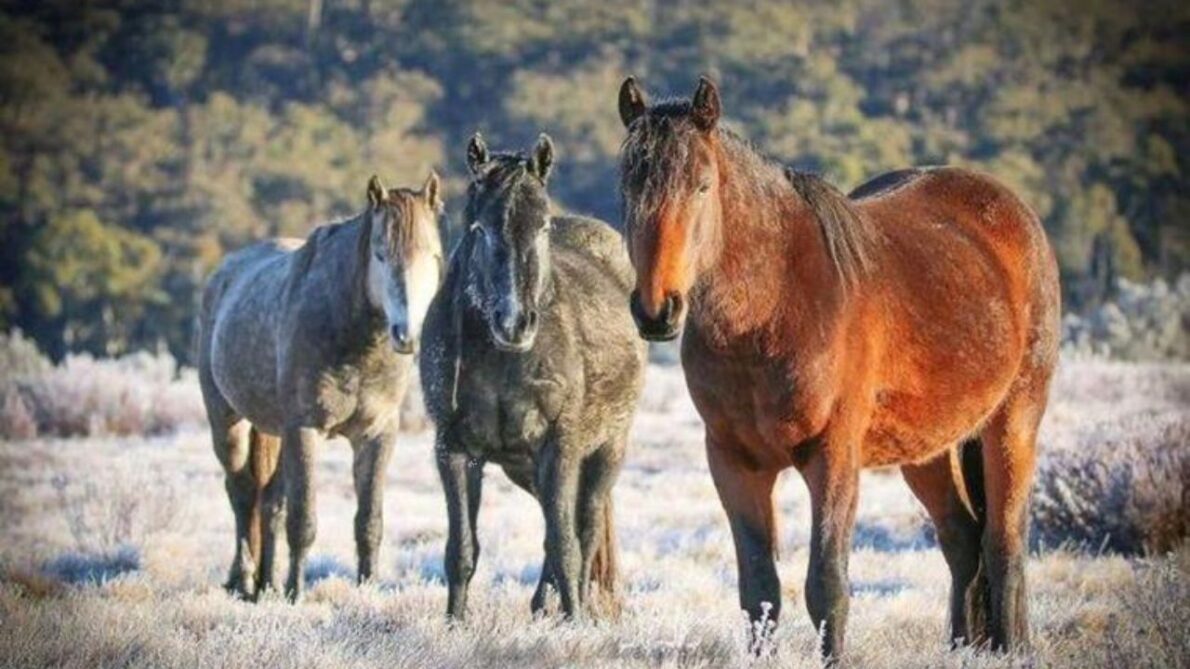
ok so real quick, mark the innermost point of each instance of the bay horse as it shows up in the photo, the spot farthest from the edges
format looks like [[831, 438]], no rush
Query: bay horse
[[301, 340], [831, 333], [532, 363]]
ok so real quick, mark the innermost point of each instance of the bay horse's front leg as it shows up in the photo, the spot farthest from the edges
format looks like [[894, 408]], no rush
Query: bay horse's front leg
[[832, 475], [298, 449], [747, 497], [558, 483], [462, 482], [369, 464]]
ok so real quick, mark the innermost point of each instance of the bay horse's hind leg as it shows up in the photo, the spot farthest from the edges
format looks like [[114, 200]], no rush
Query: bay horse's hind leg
[[1009, 457], [939, 485]]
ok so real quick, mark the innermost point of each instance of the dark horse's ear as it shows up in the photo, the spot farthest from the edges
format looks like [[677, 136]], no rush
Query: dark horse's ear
[[542, 160], [376, 191], [432, 190], [632, 101], [704, 107], [477, 153]]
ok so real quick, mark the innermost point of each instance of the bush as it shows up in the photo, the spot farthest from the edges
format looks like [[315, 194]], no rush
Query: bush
[[1144, 322], [140, 393], [1128, 495]]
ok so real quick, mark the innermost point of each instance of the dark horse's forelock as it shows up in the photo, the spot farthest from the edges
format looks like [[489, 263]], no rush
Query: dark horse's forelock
[[506, 180], [654, 166]]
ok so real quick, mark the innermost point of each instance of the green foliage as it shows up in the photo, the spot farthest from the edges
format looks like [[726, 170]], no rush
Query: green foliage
[[139, 142]]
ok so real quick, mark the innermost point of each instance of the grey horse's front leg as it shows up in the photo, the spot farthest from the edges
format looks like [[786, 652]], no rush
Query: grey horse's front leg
[[370, 463], [558, 474], [462, 481], [297, 466]]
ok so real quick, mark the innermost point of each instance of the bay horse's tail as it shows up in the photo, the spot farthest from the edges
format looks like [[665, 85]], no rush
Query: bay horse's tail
[[264, 451], [605, 567], [977, 596]]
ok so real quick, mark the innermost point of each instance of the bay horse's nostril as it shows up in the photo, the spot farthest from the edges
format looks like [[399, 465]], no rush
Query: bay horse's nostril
[[673, 308]]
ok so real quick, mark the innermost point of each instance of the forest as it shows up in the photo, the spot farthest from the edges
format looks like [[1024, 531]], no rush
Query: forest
[[142, 140]]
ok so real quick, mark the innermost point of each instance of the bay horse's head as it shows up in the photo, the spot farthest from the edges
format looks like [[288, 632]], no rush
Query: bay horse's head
[[670, 183], [508, 214], [404, 255]]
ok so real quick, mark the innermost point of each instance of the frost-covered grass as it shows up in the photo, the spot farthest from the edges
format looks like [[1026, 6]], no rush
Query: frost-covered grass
[[112, 550]]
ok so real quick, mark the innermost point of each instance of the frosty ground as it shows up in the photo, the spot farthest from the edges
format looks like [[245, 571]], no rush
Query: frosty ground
[[112, 552]]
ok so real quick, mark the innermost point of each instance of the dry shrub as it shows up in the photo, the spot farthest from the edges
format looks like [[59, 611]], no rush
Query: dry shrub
[[1127, 495]]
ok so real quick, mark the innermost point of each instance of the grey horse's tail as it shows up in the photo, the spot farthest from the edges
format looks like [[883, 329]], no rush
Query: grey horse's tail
[[264, 451], [605, 568]]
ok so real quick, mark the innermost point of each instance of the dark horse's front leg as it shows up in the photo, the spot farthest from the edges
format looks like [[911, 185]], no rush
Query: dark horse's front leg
[[747, 496], [298, 449], [832, 474], [462, 481], [558, 482], [371, 458]]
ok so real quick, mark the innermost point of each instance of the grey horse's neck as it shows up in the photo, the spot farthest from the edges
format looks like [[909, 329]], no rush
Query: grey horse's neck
[[336, 255]]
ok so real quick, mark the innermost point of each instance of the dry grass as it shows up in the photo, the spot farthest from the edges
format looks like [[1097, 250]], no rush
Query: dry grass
[[133, 581]]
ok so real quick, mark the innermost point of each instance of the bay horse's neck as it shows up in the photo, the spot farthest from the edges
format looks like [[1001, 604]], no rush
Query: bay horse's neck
[[770, 267]]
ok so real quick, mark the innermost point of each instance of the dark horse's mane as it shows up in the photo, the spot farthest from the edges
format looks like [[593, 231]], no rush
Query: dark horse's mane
[[650, 154]]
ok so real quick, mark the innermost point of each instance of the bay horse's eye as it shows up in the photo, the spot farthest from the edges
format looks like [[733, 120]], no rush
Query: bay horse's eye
[[704, 187]]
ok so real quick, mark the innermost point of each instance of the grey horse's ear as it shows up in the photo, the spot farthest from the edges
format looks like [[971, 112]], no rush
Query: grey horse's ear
[[632, 101], [704, 106], [377, 194], [542, 160], [432, 190], [477, 153]]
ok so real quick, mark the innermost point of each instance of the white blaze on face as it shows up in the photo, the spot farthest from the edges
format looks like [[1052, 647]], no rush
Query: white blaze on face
[[385, 293], [421, 283]]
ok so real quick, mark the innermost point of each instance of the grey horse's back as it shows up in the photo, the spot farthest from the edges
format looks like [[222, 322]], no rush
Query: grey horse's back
[[594, 240], [254, 274]]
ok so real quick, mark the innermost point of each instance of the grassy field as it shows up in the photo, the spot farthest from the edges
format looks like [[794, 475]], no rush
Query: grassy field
[[112, 551]]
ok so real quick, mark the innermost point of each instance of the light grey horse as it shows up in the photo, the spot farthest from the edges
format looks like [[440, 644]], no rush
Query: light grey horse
[[532, 362], [301, 341]]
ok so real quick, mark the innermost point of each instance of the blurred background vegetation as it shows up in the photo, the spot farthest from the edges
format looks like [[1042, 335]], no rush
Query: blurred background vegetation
[[141, 140]]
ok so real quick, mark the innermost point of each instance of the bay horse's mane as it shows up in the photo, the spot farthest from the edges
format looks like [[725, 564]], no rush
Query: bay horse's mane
[[658, 142]]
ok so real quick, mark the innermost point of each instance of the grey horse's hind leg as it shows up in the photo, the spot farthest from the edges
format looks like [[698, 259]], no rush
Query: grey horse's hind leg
[[297, 471], [229, 436], [371, 458], [462, 481], [558, 476]]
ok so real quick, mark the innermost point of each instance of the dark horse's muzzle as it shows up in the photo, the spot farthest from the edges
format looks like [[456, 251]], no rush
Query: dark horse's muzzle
[[665, 325]]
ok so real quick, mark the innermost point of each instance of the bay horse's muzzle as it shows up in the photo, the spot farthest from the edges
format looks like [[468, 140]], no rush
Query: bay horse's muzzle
[[666, 324]]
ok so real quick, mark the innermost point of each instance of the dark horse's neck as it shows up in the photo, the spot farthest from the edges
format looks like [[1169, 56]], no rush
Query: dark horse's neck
[[771, 268]]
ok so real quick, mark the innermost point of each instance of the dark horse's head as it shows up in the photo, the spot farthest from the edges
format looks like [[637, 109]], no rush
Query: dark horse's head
[[670, 182], [508, 214]]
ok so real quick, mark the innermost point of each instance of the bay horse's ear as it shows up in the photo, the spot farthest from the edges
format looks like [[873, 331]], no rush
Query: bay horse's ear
[[542, 160], [377, 194], [477, 153], [432, 190], [632, 101], [704, 107]]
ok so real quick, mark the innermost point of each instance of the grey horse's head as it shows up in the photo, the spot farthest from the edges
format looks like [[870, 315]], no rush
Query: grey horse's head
[[404, 256], [508, 214]]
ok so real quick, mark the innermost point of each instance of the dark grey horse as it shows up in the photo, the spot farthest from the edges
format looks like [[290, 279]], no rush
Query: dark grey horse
[[308, 340], [531, 363]]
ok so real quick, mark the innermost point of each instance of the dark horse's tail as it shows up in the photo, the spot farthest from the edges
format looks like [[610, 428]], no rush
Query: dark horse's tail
[[605, 567], [264, 451]]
